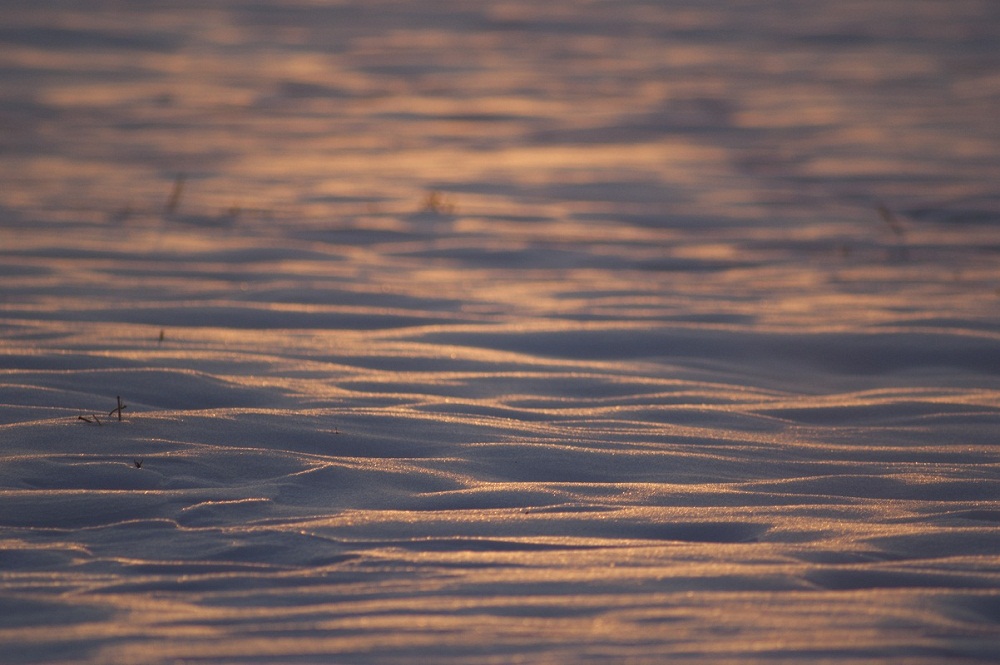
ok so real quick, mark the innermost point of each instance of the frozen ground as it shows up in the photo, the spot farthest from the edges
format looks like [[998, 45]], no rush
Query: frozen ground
[[470, 332]]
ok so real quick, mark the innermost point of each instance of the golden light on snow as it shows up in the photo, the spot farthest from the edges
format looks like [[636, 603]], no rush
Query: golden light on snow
[[460, 332]]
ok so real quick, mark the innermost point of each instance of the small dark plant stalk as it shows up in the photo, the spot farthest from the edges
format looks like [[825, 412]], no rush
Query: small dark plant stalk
[[175, 195], [895, 224], [118, 409]]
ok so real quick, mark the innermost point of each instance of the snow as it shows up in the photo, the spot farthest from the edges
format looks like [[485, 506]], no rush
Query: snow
[[450, 332]]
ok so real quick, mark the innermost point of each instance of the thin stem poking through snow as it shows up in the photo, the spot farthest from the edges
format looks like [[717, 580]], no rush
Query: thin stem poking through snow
[[118, 409]]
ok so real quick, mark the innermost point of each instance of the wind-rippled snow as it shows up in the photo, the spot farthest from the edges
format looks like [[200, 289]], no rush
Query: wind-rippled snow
[[459, 332]]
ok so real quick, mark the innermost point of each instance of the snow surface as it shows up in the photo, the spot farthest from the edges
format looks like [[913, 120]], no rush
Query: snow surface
[[472, 332]]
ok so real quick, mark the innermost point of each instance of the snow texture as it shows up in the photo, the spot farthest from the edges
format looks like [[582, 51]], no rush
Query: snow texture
[[492, 332]]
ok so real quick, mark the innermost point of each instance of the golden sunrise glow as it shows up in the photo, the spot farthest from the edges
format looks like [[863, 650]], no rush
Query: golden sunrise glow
[[539, 332]]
